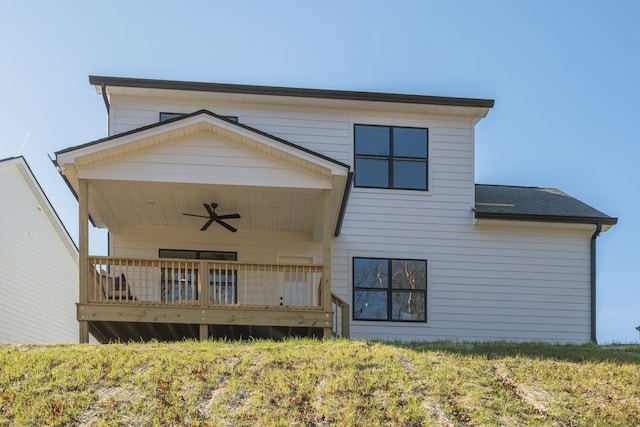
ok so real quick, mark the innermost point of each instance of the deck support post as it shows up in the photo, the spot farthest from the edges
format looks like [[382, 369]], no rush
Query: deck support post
[[84, 331], [83, 252], [326, 261], [204, 332]]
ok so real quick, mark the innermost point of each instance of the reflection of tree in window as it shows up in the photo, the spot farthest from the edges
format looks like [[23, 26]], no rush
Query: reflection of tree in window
[[407, 278], [177, 285], [379, 295], [372, 274]]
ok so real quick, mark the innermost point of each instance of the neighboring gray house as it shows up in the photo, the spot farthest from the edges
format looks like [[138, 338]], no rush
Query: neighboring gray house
[[239, 210], [38, 263]]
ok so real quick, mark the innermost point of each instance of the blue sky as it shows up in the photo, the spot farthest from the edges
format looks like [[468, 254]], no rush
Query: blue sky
[[564, 76]]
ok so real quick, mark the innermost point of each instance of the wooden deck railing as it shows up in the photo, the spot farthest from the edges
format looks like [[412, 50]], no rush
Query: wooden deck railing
[[171, 282], [340, 310]]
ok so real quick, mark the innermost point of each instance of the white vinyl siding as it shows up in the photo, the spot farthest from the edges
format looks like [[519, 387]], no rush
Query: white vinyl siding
[[517, 284], [203, 160], [38, 265], [522, 283], [251, 246], [328, 134]]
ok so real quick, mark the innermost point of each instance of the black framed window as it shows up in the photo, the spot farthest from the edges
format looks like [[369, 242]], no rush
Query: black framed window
[[390, 289], [391, 157], [190, 254], [178, 284], [167, 116]]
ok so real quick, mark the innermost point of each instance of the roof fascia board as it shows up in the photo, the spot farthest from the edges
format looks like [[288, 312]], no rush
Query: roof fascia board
[[547, 218], [343, 204], [99, 81]]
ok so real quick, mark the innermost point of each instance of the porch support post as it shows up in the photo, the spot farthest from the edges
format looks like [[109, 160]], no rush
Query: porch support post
[[203, 281], [326, 261], [83, 252]]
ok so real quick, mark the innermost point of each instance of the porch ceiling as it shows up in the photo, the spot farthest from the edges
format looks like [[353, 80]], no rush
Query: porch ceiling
[[114, 204]]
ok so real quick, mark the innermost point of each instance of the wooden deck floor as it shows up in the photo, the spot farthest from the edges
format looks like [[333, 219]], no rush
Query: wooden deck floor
[[135, 322]]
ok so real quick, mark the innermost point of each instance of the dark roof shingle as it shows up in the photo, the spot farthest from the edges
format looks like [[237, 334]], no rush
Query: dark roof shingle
[[534, 204]]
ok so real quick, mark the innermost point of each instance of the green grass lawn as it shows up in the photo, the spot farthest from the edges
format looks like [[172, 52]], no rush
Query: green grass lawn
[[307, 382]]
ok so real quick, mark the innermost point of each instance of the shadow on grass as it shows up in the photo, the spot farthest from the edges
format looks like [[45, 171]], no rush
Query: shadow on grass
[[615, 353]]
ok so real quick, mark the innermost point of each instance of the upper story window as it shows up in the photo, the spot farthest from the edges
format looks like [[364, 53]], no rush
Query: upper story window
[[391, 157], [167, 116]]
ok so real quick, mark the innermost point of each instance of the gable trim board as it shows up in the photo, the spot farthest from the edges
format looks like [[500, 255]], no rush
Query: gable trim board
[[180, 119]]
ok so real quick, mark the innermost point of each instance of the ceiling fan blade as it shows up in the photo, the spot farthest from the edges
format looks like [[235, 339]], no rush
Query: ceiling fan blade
[[197, 216], [229, 216], [207, 224], [227, 226], [210, 211]]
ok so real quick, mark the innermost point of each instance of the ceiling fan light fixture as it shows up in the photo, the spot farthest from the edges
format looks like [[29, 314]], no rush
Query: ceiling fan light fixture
[[213, 217]]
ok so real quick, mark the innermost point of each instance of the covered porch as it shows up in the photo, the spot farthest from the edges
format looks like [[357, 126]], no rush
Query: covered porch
[[148, 189], [170, 299]]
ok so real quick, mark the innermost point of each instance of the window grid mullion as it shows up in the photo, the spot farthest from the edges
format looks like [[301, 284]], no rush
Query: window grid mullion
[[389, 291], [391, 185]]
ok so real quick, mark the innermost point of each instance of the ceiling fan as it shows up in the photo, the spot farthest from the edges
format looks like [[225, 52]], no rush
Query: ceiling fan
[[213, 217]]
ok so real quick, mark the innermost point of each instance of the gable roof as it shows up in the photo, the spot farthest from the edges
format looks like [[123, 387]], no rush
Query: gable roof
[[103, 82], [534, 204], [184, 117], [20, 163]]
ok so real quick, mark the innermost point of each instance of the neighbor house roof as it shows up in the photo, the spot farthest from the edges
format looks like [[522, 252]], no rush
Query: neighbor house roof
[[289, 91], [534, 204]]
